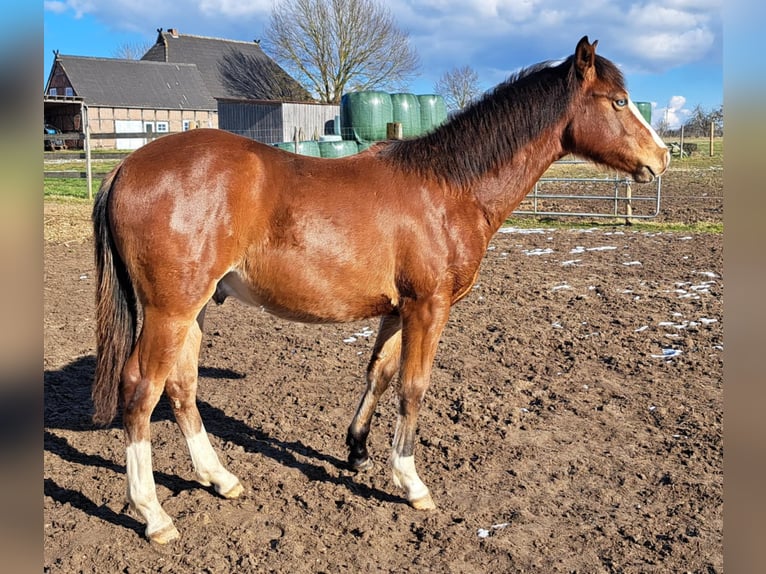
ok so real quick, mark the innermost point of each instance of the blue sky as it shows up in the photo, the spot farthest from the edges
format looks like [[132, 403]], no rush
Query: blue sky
[[670, 51]]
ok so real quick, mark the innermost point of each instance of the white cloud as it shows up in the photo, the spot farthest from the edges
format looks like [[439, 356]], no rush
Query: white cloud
[[54, 6], [78, 7], [703, 5], [671, 49], [235, 8], [677, 102], [674, 115], [552, 18], [516, 10], [664, 17]]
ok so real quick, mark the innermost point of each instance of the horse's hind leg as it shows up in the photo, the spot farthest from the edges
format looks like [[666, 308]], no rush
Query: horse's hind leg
[[143, 380], [383, 365], [181, 389]]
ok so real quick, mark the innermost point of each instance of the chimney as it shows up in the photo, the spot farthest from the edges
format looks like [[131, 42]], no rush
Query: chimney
[[173, 32]]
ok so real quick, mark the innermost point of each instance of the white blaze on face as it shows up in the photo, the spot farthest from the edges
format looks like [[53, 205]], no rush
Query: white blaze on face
[[640, 116]]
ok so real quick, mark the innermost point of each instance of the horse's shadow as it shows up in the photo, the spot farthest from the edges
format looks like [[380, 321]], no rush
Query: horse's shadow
[[68, 406]]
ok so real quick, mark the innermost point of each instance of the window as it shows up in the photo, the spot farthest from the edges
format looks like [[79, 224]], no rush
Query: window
[[68, 92], [53, 92], [163, 127], [186, 125]]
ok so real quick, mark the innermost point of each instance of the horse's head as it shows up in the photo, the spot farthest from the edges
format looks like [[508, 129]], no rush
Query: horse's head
[[606, 126]]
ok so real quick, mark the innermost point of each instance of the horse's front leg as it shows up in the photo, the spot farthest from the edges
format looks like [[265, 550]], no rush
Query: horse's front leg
[[383, 365], [422, 324]]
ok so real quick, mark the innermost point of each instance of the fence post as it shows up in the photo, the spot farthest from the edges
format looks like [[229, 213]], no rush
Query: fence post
[[712, 135], [394, 130], [682, 142], [86, 145]]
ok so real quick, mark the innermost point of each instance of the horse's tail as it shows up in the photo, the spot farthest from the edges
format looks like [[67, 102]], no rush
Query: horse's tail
[[116, 311]]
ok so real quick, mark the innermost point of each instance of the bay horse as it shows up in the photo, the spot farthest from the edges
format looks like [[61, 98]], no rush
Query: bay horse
[[396, 232]]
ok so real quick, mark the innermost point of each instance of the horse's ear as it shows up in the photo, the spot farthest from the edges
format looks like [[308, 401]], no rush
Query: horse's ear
[[585, 58]]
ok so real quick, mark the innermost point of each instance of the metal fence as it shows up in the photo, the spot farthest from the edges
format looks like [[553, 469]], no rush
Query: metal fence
[[597, 195]]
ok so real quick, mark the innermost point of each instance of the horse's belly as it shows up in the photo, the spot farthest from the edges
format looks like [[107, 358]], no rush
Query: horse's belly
[[306, 302]]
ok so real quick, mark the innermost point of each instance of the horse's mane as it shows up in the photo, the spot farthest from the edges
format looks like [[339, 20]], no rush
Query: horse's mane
[[486, 134]]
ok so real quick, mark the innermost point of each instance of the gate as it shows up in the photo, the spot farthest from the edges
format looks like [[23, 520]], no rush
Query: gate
[[577, 188]]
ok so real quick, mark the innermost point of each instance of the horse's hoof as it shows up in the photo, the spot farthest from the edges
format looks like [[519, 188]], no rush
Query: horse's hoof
[[362, 465], [234, 492], [424, 503], [164, 535]]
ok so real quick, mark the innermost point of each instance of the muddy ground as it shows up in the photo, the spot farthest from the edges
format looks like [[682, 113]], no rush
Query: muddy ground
[[573, 423]]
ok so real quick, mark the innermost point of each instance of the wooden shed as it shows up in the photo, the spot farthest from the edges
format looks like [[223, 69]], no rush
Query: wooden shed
[[272, 122]]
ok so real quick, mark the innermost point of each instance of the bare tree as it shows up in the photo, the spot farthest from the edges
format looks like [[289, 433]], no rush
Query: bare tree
[[329, 45], [700, 119], [459, 87], [258, 78], [132, 50], [663, 126], [698, 122], [716, 117]]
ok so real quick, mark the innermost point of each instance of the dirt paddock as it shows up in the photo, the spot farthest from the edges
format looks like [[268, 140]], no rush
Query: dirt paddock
[[573, 423]]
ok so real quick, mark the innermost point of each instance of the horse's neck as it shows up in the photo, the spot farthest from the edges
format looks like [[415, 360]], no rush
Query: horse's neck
[[500, 192]]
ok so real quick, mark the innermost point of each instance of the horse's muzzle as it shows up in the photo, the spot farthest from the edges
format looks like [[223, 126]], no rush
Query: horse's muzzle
[[647, 173], [644, 174]]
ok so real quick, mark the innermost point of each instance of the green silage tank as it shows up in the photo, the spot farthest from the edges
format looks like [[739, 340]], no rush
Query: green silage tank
[[309, 147], [646, 110], [365, 115], [433, 112], [406, 111], [334, 149]]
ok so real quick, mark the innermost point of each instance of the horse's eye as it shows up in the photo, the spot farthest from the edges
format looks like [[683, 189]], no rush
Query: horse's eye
[[621, 103]]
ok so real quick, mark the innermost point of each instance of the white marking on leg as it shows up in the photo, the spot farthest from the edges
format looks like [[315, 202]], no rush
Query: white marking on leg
[[207, 466], [406, 477], [141, 490], [642, 119]]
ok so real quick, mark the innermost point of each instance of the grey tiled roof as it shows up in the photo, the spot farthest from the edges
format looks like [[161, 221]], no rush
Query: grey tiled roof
[[218, 59], [136, 83]]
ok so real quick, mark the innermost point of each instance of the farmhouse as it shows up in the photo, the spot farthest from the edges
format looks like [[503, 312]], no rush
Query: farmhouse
[[126, 96], [182, 82]]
